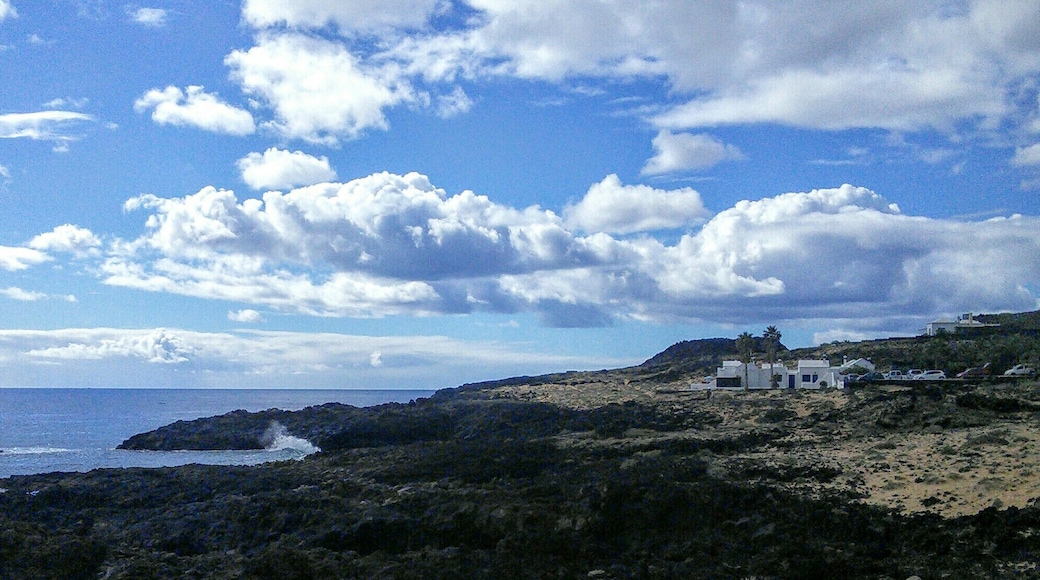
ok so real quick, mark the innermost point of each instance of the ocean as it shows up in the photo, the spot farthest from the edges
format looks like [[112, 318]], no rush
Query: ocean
[[47, 430]]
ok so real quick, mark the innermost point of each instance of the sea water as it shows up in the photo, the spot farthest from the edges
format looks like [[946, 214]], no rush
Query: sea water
[[46, 430]]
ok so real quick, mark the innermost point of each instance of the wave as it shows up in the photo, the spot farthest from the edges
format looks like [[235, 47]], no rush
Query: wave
[[276, 438], [34, 450]]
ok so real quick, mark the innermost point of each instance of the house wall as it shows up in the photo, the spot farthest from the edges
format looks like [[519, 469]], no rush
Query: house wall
[[810, 374]]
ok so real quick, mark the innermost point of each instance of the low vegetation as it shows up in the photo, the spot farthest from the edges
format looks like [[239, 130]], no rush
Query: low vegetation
[[614, 474]]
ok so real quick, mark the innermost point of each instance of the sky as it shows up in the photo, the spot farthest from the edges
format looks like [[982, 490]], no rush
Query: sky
[[425, 193]]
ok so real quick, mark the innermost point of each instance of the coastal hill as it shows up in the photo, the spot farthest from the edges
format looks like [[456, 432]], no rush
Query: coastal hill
[[624, 473]]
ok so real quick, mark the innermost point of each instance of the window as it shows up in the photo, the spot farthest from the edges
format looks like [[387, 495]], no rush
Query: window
[[805, 379]]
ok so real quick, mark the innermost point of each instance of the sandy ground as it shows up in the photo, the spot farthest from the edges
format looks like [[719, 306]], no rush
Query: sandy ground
[[949, 472]]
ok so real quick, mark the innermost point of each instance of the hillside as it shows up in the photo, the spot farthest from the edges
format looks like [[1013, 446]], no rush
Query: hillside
[[613, 474], [1016, 341]]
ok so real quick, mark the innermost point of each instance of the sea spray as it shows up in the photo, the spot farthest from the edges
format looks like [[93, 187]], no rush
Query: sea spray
[[276, 438]]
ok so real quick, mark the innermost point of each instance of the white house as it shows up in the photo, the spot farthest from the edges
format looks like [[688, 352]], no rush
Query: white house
[[809, 374], [858, 363], [964, 323]]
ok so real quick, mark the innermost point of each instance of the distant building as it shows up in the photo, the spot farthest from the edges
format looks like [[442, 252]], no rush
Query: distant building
[[862, 363], [808, 374], [965, 323]]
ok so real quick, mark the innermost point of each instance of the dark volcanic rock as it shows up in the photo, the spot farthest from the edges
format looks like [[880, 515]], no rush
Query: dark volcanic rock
[[459, 486]]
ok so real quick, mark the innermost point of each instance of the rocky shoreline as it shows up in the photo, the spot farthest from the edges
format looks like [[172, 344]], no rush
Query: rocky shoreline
[[580, 475]]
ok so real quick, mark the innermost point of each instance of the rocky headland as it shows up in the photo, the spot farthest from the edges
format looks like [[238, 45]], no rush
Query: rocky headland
[[625, 473]]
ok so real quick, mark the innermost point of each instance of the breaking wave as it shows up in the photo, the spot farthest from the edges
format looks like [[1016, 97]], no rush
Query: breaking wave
[[276, 438], [34, 450]]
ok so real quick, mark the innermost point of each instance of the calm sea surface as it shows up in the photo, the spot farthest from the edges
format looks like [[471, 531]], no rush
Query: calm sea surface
[[45, 430]]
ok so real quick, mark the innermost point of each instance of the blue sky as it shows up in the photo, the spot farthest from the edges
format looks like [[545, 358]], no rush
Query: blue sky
[[422, 193]]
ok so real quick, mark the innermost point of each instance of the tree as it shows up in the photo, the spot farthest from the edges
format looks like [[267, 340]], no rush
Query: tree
[[745, 346], [772, 338]]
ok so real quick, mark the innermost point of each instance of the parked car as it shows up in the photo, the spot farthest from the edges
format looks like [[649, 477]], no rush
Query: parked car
[[895, 375], [932, 375], [871, 377], [976, 372], [1020, 371], [912, 373]]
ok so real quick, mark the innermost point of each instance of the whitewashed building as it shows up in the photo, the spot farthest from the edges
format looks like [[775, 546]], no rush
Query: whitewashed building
[[808, 374], [965, 323]]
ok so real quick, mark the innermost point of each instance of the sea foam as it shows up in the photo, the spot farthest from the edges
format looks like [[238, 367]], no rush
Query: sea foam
[[276, 438]]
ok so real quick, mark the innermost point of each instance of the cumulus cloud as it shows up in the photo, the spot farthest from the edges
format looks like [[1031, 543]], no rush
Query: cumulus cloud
[[611, 207], [151, 17], [840, 65], [397, 245], [13, 259], [247, 315], [41, 125], [1027, 156], [282, 169], [7, 10], [195, 108], [67, 238], [154, 346], [318, 90], [681, 151], [350, 16]]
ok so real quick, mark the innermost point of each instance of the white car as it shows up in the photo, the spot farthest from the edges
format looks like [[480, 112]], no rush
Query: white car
[[913, 373], [1020, 371], [895, 375], [932, 375]]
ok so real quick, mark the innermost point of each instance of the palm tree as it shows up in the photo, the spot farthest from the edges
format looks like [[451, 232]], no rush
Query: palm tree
[[745, 344], [772, 337]]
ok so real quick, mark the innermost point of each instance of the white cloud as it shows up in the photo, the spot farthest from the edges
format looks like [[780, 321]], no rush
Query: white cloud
[[349, 16], [67, 238], [15, 293], [833, 66], [1027, 156], [681, 151], [154, 346], [611, 207], [319, 91], [456, 103], [246, 315], [396, 245], [151, 17], [282, 169], [13, 259], [195, 108], [5, 172], [845, 99], [61, 103], [42, 125], [7, 10], [126, 357]]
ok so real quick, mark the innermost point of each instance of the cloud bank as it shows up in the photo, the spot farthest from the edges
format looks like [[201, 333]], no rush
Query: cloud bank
[[329, 71], [162, 357], [393, 244]]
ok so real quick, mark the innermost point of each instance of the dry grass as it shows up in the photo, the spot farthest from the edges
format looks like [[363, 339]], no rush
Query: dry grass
[[951, 472]]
